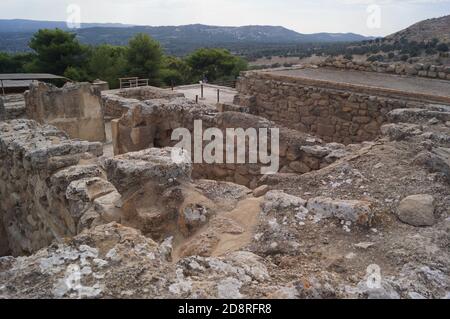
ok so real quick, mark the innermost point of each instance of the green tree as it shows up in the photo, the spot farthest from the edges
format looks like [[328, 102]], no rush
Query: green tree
[[76, 74], [144, 58], [442, 47], [108, 63], [175, 71], [215, 64], [14, 63], [434, 42], [56, 51]]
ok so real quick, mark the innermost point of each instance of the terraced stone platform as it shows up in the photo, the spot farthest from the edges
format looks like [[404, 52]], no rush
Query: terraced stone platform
[[411, 87]]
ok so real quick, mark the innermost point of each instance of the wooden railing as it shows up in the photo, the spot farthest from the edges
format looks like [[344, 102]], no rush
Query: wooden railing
[[230, 83], [132, 82]]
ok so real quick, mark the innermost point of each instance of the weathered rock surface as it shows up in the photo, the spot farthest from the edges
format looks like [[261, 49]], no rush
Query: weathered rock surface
[[261, 191], [118, 102], [153, 164], [76, 109], [143, 226], [2, 110], [150, 123], [112, 261], [349, 210], [44, 190], [12, 106], [326, 110], [436, 161], [417, 210], [426, 70], [420, 115]]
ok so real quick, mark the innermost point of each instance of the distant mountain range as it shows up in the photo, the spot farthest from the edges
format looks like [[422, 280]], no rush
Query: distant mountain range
[[179, 40], [21, 25]]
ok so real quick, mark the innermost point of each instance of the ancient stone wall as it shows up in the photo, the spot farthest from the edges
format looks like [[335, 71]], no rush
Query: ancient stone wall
[[118, 102], [76, 109], [50, 186], [101, 85], [12, 106], [4, 242], [299, 153], [2, 110], [151, 124], [426, 70], [330, 112]]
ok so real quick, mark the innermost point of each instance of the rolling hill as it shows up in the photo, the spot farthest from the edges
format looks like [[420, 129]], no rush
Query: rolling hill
[[21, 25], [427, 30], [179, 40]]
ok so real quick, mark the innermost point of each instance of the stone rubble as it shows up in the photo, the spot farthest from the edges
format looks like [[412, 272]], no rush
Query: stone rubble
[[368, 220]]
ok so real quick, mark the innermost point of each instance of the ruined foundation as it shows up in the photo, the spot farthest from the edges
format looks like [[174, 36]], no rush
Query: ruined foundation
[[118, 102], [337, 112], [76, 109], [41, 172], [12, 107], [151, 123], [139, 225]]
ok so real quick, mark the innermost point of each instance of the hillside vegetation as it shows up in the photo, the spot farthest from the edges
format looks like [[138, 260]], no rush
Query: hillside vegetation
[[175, 40], [61, 53]]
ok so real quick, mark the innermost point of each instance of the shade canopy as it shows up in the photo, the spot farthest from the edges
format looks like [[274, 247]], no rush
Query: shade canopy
[[29, 76]]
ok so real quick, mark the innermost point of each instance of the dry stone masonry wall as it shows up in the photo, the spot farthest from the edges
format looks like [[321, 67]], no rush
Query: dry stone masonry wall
[[151, 123], [2, 110], [330, 112], [12, 107], [76, 109], [426, 70], [140, 215], [118, 102], [50, 186]]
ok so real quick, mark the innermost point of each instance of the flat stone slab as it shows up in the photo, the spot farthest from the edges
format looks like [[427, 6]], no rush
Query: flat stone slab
[[415, 87], [153, 164]]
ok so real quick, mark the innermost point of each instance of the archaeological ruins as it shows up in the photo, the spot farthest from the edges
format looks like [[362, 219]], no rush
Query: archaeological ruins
[[88, 186]]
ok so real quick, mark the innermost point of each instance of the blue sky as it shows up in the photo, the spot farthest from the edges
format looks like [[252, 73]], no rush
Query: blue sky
[[305, 16]]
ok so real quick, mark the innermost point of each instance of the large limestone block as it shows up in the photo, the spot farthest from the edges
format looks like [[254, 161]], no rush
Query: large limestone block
[[134, 169], [349, 210], [41, 162], [417, 210], [276, 201], [83, 192], [75, 108]]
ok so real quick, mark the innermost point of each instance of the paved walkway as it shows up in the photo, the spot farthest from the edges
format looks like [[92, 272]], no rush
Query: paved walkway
[[209, 91]]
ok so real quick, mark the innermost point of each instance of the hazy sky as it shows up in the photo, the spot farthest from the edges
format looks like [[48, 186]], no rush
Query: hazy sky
[[305, 16]]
